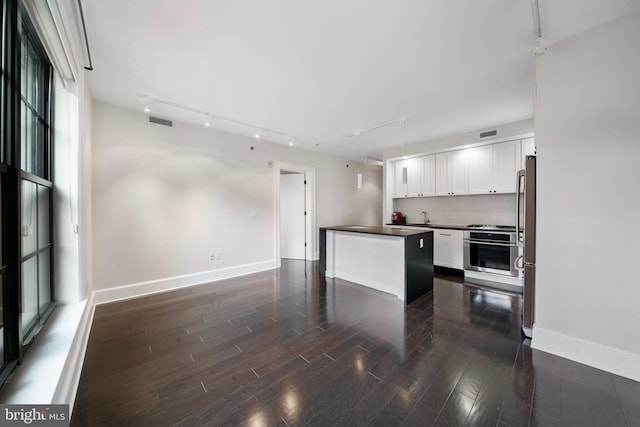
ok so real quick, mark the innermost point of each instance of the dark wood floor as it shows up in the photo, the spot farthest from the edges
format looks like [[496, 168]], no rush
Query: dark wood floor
[[287, 348]]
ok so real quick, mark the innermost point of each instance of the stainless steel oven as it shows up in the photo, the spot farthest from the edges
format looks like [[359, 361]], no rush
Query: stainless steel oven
[[491, 251]]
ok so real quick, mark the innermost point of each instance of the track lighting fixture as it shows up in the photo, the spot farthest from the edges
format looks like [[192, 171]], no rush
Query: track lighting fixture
[[260, 132]]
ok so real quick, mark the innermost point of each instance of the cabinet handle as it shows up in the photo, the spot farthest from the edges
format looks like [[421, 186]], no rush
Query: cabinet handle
[[445, 234]]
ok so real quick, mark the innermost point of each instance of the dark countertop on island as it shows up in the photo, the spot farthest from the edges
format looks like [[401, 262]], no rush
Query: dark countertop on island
[[385, 231]]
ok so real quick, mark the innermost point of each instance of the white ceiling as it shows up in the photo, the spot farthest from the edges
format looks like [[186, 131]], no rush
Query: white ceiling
[[321, 69]]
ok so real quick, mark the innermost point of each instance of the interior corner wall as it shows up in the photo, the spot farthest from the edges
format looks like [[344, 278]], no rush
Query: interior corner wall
[[84, 189], [587, 127], [66, 194], [165, 198]]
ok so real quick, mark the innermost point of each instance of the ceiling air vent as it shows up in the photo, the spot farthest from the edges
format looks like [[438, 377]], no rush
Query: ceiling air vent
[[160, 121], [488, 133]]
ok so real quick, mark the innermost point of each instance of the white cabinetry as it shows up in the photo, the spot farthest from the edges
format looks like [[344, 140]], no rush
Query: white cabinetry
[[448, 248], [492, 168], [451, 173], [399, 178], [419, 180], [528, 149]]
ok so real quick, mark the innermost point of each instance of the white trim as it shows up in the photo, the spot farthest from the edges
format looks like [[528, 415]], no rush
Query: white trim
[[599, 356], [103, 296], [464, 146], [50, 370], [46, 21], [67, 387]]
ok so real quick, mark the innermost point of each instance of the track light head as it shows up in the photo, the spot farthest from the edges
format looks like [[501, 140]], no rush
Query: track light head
[[539, 48]]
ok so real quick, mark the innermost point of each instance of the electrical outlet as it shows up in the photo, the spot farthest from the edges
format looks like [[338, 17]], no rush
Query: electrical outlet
[[218, 255], [212, 257], [253, 214]]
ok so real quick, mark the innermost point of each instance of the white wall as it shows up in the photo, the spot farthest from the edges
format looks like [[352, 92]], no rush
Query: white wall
[[165, 198], [66, 194], [86, 244], [587, 126]]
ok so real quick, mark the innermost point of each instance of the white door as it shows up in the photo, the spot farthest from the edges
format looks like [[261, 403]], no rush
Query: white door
[[292, 218]]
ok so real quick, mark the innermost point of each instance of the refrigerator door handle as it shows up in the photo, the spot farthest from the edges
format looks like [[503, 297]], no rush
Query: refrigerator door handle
[[519, 181]]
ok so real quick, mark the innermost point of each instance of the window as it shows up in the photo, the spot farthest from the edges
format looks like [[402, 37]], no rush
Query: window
[[26, 253]]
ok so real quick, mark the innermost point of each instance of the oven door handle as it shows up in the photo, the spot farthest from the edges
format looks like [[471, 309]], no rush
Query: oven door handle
[[515, 263], [482, 242]]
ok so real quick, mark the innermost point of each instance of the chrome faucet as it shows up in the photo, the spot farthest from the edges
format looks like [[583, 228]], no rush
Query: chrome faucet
[[426, 219]]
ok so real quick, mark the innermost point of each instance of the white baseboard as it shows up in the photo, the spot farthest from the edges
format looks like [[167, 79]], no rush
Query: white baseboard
[[599, 356], [67, 386], [103, 296]]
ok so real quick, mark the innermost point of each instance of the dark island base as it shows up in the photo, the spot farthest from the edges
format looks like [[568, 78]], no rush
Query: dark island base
[[418, 260]]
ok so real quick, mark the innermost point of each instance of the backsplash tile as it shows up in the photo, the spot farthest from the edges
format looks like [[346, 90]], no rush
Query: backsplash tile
[[496, 209]]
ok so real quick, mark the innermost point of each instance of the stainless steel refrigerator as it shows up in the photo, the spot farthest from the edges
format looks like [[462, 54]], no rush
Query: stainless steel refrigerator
[[526, 228]]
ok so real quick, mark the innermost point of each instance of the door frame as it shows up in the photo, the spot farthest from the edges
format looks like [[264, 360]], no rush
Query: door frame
[[311, 252]]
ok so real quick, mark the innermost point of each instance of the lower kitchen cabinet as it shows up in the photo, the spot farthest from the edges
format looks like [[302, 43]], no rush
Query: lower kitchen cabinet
[[448, 248]]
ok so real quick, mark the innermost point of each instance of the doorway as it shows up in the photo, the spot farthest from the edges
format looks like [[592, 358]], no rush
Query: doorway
[[292, 213]]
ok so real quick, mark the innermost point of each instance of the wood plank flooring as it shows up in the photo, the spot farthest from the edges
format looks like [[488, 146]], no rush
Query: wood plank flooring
[[287, 348]]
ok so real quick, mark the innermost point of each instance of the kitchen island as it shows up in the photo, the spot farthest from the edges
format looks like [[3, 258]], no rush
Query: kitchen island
[[393, 260]]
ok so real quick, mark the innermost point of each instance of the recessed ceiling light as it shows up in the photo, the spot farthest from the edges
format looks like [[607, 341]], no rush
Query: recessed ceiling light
[[147, 109]]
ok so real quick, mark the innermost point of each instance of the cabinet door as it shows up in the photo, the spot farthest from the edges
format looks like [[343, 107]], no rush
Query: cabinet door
[[442, 174], [415, 177], [400, 186], [429, 175], [528, 149], [448, 248], [481, 170], [506, 163], [458, 183]]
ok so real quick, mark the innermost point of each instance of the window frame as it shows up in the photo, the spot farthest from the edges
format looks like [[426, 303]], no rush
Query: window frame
[[15, 26]]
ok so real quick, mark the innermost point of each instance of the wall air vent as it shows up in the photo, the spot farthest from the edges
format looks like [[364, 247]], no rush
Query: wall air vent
[[160, 121], [488, 133]]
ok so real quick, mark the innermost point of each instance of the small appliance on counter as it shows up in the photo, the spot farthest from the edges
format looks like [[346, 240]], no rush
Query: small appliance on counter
[[398, 218]]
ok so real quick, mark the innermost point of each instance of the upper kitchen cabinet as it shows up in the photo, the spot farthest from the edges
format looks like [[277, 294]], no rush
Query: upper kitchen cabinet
[[451, 173], [421, 176], [418, 179], [400, 175], [528, 149], [492, 168]]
